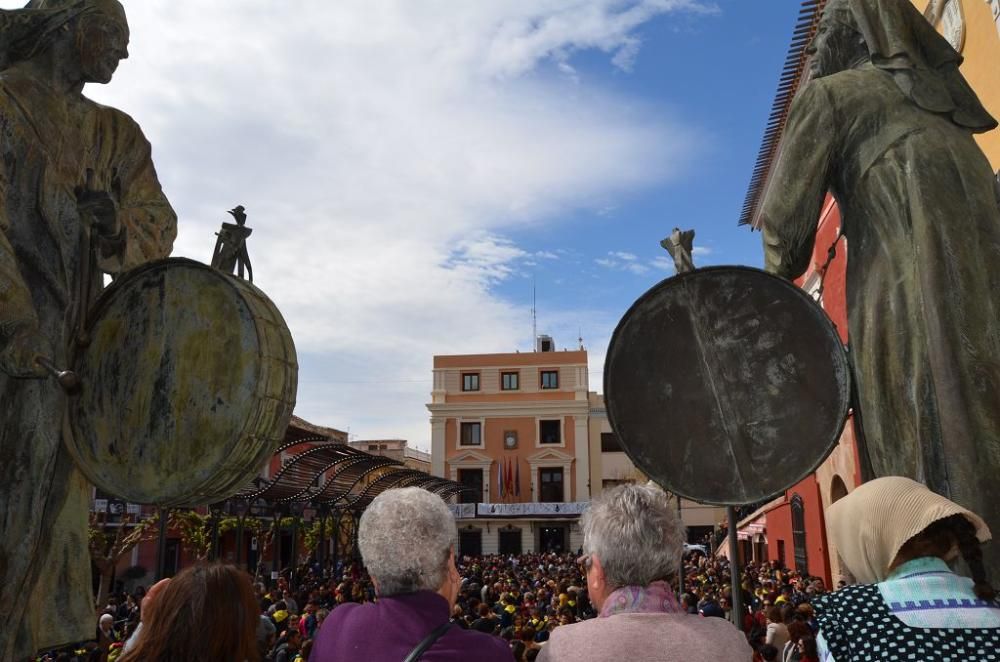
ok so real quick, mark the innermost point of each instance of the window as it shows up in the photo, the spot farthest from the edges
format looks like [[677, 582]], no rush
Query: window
[[799, 534], [549, 432], [610, 443], [470, 381], [472, 480], [472, 434], [508, 381], [373, 447], [510, 541], [550, 379], [551, 481], [552, 539], [470, 542], [781, 553]]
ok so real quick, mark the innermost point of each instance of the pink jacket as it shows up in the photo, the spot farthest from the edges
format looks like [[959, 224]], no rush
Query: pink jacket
[[647, 638]]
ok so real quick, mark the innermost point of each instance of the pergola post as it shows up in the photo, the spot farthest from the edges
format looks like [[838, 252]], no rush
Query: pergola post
[[336, 540], [161, 546], [215, 512], [241, 517], [321, 543], [276, 546]]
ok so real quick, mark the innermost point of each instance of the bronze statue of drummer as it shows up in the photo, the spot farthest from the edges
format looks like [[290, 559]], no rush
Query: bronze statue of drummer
[[83, 199]]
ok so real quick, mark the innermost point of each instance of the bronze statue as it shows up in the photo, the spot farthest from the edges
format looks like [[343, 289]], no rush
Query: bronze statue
[[680, 245], [231, 253], [886, 125], [78, 196]]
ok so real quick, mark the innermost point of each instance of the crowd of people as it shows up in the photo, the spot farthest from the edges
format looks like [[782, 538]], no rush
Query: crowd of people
[[518, 598], [613, 599]]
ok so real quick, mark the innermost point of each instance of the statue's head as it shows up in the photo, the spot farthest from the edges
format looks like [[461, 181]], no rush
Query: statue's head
[[98, 30], [838, 44], [898, 41]]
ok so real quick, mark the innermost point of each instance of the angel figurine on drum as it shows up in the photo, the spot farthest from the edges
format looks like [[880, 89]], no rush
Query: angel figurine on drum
[[78, 196]]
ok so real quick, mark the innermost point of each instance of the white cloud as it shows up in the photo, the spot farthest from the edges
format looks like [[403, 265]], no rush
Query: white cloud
[[701, 250], [623, 261], [664, 263], [382, 151]]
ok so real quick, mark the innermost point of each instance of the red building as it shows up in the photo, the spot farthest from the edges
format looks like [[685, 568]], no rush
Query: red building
[[792, 528]]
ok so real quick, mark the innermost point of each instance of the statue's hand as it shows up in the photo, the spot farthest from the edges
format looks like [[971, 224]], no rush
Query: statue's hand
[[99, 210], [19, 357]]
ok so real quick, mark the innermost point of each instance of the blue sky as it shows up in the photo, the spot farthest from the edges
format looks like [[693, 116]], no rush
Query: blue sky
[[410, 167], [714, 75]]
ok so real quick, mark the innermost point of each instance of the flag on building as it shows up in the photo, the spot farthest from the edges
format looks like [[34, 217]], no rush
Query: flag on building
[[500, 480], [517, 479]]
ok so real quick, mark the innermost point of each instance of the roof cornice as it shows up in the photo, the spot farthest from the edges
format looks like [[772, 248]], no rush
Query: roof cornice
[[793, 76]]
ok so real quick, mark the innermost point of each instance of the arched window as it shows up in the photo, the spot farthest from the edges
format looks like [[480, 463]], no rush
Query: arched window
[[799, 534], [838, 490]]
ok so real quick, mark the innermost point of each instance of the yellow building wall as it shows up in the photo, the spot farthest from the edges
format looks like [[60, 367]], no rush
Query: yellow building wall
[[981, 68]]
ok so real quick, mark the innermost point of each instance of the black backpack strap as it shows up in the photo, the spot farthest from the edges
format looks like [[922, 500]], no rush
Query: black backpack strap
[[427, 643]]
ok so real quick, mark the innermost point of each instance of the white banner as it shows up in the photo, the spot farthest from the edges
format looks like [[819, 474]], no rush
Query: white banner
[[530, 509], [463, 510]]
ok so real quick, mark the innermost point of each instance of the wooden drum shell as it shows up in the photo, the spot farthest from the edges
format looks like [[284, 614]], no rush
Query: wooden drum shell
[[188, 385]]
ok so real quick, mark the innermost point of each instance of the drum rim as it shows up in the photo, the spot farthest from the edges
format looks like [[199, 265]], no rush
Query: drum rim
[[841, 354], [101, 303]]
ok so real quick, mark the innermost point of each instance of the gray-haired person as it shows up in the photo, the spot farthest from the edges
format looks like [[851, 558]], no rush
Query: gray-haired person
[[632, 541], [407, 538]]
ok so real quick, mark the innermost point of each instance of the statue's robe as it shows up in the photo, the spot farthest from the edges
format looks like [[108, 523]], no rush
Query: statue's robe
[[50, 146], [923, 275]]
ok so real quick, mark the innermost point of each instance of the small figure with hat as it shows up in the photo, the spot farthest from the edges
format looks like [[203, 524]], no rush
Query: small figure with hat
[[231, 248]]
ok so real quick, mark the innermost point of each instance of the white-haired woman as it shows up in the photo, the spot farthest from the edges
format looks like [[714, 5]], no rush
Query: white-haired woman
[[632, 539], [407, 539]]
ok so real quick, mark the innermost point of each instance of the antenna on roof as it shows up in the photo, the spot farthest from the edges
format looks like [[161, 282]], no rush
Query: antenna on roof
[[580, 339], [534, 316]]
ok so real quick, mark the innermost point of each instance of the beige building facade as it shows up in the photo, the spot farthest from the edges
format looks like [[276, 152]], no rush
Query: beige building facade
[[513, 428]]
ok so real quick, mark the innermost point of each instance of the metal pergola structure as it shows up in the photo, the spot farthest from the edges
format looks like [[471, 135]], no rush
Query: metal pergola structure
[[318, 473], [337, 476]]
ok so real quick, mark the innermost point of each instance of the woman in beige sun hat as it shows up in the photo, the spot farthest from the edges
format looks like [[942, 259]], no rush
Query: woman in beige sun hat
[[898, 538]]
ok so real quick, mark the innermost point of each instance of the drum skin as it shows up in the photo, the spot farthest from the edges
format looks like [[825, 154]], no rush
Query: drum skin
[[726, 385], [188, 385]]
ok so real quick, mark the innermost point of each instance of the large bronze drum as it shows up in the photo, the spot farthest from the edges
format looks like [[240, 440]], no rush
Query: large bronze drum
[[726, 385], [188, 384]]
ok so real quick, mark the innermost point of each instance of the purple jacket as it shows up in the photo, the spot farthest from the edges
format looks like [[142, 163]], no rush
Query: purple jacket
[[387, 630]]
